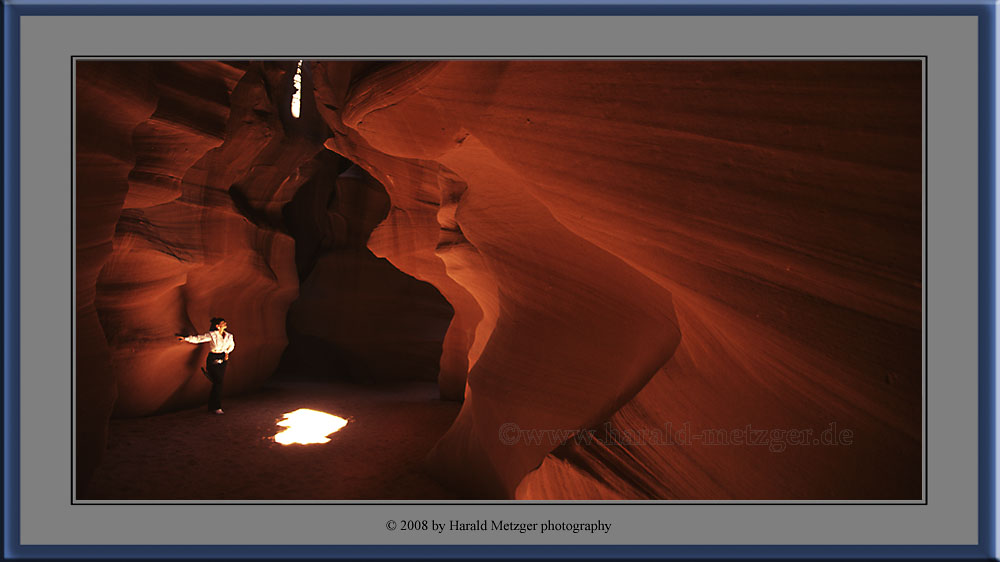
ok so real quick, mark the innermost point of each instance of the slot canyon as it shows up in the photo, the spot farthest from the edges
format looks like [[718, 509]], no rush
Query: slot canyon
[[516, 280]]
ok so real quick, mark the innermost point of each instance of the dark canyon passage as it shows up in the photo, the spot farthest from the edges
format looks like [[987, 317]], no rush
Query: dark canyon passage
[[577, 279]]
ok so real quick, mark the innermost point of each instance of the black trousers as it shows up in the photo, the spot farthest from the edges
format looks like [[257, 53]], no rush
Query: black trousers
[[215, 366]]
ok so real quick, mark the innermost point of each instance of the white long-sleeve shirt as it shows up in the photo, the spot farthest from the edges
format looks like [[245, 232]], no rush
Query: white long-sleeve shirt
[[221, 342]]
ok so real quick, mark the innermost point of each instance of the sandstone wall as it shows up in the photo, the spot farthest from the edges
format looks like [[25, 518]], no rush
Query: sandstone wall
[[715, 243]]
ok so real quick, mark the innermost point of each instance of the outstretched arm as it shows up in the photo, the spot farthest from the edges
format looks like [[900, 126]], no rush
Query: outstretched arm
[[201, 338]]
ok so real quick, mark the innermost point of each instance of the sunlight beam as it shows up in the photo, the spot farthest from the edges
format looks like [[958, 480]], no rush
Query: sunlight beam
[[308, 427]]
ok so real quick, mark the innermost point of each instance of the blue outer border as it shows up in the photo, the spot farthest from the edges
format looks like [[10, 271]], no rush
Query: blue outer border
[[984, 9]]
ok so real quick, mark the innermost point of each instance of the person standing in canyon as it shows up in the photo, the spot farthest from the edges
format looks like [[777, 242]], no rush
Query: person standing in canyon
[[218, 358]]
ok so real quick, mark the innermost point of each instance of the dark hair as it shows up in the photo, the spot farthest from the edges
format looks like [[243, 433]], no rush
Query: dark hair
[[215, 322]]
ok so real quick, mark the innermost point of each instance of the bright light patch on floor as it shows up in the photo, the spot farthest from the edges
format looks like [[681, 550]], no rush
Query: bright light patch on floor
[[307, 427], [297, 96]]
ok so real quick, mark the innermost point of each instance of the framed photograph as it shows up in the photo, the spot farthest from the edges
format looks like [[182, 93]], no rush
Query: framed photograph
[[566, 280]]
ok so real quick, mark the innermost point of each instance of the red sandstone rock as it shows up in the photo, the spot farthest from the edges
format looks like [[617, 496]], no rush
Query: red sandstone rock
[[111, 100], [211, 246], [182, 169], [187, 173], [776, 203]]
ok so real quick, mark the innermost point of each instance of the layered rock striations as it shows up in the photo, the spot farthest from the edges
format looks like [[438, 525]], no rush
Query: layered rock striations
[[183, 168], [200, 194], [104, 158], [646, 246]]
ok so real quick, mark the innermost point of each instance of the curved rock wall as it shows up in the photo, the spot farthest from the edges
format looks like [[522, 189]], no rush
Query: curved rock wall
[[201, 233], [199, 194], [104, 158], [628, 245], [182, 170]]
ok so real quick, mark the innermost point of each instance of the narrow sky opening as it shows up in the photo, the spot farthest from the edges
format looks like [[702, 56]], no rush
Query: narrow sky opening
[[297, 96]]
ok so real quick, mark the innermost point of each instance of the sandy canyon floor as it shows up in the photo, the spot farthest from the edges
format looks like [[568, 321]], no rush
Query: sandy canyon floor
[[194, 455]]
